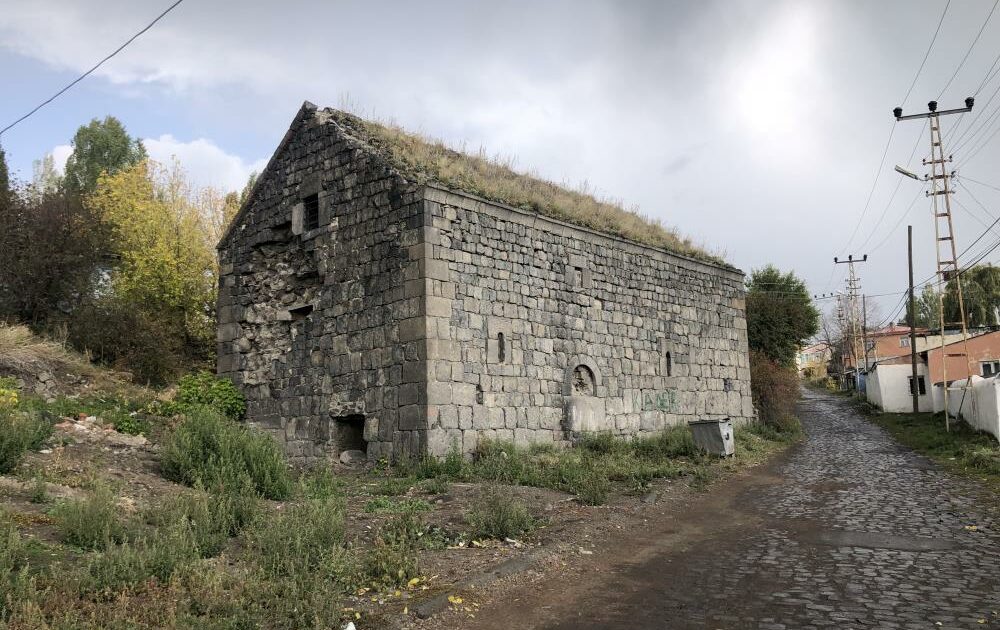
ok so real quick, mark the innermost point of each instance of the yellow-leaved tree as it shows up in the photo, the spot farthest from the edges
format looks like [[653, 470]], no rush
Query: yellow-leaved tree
[[163, 272]]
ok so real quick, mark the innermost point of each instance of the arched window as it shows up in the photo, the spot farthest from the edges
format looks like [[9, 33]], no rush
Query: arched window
[[669, 364]]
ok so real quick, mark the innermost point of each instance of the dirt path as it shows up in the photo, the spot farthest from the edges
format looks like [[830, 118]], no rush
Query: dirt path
[[846, 530]]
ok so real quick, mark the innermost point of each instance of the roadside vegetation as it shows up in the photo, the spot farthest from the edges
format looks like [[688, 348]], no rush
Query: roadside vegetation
[[963, 449]]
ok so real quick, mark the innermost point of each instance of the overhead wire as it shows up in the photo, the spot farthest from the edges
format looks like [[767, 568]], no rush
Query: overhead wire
[[91, 70], [969, 51]]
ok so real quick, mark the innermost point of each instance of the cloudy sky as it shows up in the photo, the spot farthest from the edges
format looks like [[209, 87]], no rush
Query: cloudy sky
[[756, 128]]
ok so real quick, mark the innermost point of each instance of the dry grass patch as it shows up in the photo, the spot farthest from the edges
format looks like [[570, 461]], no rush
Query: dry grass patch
[[425, 159]]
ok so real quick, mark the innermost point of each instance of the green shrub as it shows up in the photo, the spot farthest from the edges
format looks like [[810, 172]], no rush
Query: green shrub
[[216, 451], [984, 458], [435, 485], [91, 523], [19, 433], [15, 583], [128, 423], [211, 517], [205, 389], [393, 486], [392, 558], [775, 390], [159, 555], [320, 483], [300, 539], [499, 513]]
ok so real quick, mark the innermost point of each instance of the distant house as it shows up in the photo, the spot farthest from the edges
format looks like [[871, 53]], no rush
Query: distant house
[[890, 380], [812, 360]]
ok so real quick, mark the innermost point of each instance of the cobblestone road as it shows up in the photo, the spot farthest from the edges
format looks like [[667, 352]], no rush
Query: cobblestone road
[[855, 532]]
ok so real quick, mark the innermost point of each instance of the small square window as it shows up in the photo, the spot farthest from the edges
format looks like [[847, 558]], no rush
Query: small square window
[[310, 213], [904, 342]]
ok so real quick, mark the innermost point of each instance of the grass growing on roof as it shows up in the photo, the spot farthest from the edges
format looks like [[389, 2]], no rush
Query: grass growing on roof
[[494, 178]]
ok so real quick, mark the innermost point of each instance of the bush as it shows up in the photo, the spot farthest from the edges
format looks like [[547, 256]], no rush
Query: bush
[[499, 513], [215, 451], [19, 433], [91, 523], [211, 518], [205, 389], [160, 555], [392, 559], [775, 391], [299, 540], [128, 338], [15, 584]]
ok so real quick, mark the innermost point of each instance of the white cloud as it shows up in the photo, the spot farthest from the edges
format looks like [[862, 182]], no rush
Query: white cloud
[[205, 163]]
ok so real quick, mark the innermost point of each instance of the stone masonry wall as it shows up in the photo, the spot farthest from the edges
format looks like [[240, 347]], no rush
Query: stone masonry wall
[[309, 318], [542, 330]]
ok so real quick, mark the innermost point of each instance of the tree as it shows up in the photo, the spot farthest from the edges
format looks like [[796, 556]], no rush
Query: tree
[[163, 236], [980, 293], [51, 245], [926, 303], [45, 177], [5, 189], [780, 314], [100, 147]]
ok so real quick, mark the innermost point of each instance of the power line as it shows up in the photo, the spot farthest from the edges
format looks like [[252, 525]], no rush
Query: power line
[[885, 151], [895, 190], [89, 72], [905, 214], [969, 51], [926, 54]]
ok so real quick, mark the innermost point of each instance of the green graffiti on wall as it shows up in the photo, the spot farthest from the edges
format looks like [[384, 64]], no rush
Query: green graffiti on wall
[[666, 400]]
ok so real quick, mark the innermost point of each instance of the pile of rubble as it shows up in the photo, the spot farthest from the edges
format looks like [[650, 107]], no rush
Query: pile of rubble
[[86, 428]]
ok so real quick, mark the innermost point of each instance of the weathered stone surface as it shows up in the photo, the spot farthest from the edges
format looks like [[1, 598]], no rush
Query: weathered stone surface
[[443, 319]]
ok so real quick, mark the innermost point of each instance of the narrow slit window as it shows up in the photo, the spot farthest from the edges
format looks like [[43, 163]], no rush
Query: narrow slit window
[[310, 213], [501, 348], [669, 364]]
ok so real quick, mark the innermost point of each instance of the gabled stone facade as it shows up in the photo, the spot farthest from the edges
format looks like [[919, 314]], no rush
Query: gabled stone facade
[[358, 309]]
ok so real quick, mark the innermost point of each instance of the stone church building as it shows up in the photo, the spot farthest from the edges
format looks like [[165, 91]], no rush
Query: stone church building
[[368, 302]]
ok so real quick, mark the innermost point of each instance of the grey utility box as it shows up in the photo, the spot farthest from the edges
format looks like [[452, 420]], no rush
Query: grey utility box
[[715, 437]]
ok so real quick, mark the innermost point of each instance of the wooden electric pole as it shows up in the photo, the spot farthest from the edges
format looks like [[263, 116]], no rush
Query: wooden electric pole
[[945, 246], [912, 322]]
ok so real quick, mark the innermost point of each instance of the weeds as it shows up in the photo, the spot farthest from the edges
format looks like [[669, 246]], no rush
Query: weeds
[[299, 540], [962, 448], [15, 584], [214, 450], [499, 513], [392, 559], [91, 523], [20, 432]]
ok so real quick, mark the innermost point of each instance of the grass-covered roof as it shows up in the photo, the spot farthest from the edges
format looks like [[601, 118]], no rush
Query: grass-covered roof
[[425, 160]]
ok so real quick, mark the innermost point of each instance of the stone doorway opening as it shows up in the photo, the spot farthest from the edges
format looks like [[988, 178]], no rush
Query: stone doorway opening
[[349, 433]]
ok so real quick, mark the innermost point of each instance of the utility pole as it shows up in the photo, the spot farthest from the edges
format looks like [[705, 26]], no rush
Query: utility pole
[[864, 334], [913, 318], [844, 351], [853, 284], [944, 245]]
